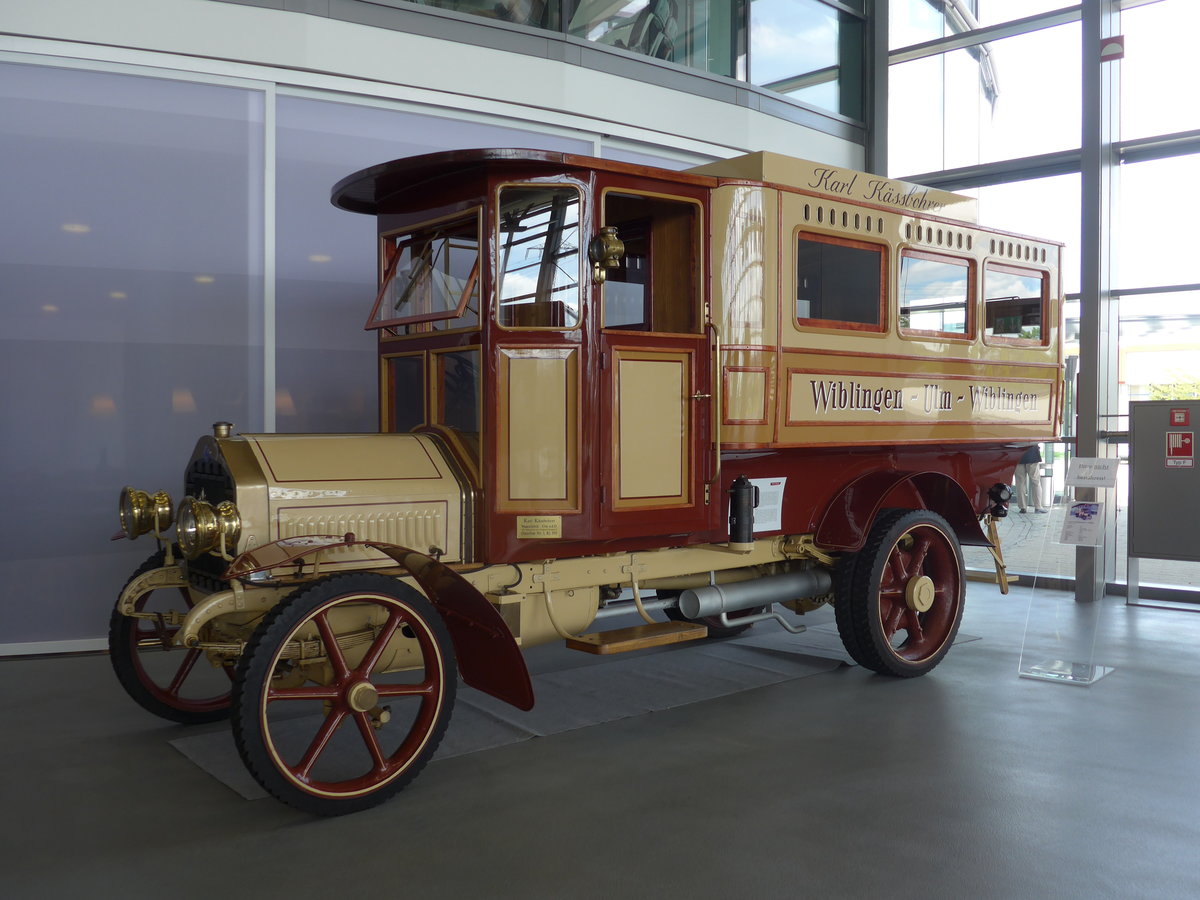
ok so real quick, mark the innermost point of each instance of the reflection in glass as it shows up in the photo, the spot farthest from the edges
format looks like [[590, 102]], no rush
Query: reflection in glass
[[808, 50], [458, 392], [539, 257], [1014, 304], [934, 295]]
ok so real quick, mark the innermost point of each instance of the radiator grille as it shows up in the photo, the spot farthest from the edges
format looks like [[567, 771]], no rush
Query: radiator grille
[[417, 526]]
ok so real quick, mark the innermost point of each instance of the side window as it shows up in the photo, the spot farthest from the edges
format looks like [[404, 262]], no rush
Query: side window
[[656, 286], [936, 295], [839, 283], [456, 400], [406, 392], [1014, 305], [431, 278], [540, 258]]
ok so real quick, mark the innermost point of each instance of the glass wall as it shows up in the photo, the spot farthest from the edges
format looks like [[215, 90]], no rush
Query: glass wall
[[1018, 97], [1005, 99], [700, 34], [133, 276], [131, 271], [809, 50]]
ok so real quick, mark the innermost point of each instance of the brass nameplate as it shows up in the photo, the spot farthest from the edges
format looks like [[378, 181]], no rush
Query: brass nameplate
[[544, 527]]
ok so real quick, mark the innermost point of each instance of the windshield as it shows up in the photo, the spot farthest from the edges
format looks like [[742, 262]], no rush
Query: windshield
[[539, 257], [431, 273]]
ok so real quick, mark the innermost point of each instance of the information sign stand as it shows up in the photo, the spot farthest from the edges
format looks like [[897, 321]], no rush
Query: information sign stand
[[1060, 634]]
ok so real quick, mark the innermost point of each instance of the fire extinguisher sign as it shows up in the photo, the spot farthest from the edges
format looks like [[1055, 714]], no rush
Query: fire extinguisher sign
[[1180, 453]]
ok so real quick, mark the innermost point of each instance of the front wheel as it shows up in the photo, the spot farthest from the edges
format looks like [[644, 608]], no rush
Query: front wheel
[[173, 683], [344, 693], [905, 598]]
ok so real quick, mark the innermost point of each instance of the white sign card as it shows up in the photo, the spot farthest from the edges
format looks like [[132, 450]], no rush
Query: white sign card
[[1092, 473], [768, 515], [1084, 524]]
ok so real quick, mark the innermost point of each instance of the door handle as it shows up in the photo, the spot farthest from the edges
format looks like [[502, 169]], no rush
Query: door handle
[[701, 396]]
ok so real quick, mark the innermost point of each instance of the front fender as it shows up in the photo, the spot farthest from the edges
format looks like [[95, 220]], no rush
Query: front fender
[[488, 656]]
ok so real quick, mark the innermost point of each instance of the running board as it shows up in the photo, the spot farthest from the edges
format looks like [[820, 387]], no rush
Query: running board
[[638, 637]]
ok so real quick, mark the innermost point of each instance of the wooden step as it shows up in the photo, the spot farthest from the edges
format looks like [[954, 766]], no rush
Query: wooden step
[[638, 637]]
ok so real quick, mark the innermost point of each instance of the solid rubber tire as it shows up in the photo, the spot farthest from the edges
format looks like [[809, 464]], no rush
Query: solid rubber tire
[[860, 623], [257, 662], [121, 630]]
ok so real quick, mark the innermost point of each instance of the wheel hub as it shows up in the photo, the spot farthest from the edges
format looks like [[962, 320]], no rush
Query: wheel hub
[[919, 593], [362, 697]]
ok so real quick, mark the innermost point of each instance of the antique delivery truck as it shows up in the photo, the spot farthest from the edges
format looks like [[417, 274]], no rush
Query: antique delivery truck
[[733, 394]]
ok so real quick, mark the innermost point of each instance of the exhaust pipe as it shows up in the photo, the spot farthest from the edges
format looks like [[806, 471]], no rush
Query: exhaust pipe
[[725, 598]]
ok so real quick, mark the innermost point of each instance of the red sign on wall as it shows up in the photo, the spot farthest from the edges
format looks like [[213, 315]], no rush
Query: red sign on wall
[[1180, 446], [1180, 417]]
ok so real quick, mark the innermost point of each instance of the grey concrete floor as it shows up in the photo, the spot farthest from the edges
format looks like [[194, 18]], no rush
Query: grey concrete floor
[[967, 783]]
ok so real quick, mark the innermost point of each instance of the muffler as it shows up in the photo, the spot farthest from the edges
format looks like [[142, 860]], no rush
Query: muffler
[[724, 598]]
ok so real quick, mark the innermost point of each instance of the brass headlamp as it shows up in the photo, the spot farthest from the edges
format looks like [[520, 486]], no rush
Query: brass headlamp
[[202, 526], [142, 513]]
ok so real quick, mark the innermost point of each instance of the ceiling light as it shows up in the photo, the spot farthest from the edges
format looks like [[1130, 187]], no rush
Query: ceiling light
[[76, 228], [117, 295], [49, 308], [204, 279], [320, 258]]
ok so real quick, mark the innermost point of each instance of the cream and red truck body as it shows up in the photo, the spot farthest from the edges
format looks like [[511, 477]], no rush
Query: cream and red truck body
[[733, 394]]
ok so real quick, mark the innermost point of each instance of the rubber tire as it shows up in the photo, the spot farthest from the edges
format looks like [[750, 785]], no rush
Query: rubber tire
[[122, 638], [255, 668], [861, 620]]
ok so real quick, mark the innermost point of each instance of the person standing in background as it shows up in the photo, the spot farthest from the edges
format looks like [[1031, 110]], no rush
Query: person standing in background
[[1028, 480]]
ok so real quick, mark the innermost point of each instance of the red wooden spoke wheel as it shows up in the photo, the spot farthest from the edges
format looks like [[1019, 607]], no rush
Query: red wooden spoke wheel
[[168, 681], [903, 598], [344, 693]]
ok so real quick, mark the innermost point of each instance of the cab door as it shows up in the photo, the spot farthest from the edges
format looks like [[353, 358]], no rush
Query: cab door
[[656, 450]]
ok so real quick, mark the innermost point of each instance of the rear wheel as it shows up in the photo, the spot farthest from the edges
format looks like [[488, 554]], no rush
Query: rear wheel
[[171, 682], [344, 693], [906, 593]]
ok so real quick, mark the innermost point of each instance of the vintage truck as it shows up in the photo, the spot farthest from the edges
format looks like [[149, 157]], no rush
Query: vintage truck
[[731, 394]]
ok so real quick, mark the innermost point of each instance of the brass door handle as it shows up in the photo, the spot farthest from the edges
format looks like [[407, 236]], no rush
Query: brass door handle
[[701, 396]]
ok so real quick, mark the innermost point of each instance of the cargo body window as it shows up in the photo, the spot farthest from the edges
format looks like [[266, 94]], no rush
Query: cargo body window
[[936, 295], [540, 257], [1014, 305], [839, 283]]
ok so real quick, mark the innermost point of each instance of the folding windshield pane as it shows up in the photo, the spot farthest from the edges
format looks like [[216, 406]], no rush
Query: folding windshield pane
[[935, 295], [839, 283], [432, 273], [539, 257], [1014, 305]]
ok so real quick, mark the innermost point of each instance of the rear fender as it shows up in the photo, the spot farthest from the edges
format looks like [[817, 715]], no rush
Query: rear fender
[[848, 518], [488, 656]]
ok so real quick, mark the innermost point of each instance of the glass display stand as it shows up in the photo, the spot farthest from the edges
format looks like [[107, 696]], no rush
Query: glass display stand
[[1060, 633]]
